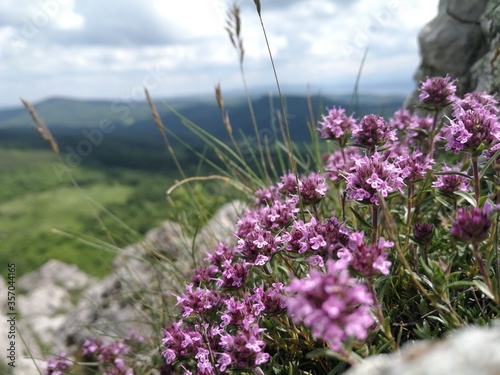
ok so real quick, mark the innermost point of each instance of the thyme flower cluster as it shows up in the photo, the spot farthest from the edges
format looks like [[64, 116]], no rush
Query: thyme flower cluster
[[305, 268]]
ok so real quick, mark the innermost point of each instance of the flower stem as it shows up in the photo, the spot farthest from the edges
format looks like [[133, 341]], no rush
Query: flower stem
[[408, 215], [484, 273], [380, 316], [432, 135], [410, 205], [476, 178], [374, 224]]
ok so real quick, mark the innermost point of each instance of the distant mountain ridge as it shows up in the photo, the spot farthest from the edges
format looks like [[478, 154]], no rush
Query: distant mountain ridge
[[123, 134], [63, 112]]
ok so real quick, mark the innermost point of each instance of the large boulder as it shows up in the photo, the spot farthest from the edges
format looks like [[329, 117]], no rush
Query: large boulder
[[463, 40], [43, 299], [145, 279], [471, 350], [67, 276], [60, 306]]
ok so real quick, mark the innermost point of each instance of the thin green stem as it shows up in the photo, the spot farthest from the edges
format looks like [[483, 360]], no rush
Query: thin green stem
[[389, 226], [408, 214], [374, 224], [484, 272], [475, 171], [432, 135], [380, 316], [254, 122], [283, 107]]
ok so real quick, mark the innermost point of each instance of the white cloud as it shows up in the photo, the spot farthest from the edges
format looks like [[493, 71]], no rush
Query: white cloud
[[95, 48]]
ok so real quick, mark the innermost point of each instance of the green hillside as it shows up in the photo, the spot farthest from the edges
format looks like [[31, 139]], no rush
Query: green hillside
[[42, 217]]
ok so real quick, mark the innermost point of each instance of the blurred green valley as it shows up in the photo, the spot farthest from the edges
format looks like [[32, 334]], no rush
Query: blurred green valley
[[123, 179]]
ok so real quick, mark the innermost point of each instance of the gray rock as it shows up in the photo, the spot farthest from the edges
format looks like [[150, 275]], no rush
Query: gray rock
[[43, 299], [468, 351], [168, 239], [46, 300], [463, 40], [450, 46], [220, 227], [466, 11], [145, 278], [67, 276], [62, 306]]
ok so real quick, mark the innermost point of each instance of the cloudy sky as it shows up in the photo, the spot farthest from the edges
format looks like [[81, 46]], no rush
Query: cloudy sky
[[111, 48]]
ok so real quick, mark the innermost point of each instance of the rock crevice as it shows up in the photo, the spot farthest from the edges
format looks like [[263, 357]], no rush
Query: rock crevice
[[463, 40]]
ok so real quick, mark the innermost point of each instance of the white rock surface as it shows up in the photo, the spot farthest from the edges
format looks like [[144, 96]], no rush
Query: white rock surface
[[468, 351], [220, 227], [67, 276], [169, 239], [60, 306], [46, 300], [43, 299]]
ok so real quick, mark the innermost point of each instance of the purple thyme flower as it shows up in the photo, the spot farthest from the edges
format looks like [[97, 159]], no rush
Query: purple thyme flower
[[109, 355], [270, 300], [368, 260], [338, 161], [422, 232], [191, 342], [266, 196], [288, 184], [204, 365], [198, 301], [402, 120], [312, 188], [278, 215], [412, 129], [373, 131], [220, 255], [471, 225], [336, 124], [477, 100], [57, 365], [437, 92], [179, 342], [332, 304], [234, 275], [414, 166], [258, 245], [371, 176], [449, 183], [241, 313], [247, 224], [317, 238], [245, 348], [469, 129]]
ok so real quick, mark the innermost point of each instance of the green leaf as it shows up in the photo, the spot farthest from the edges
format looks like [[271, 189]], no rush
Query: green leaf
[[454, 172], [339, 369], [484, 288], [459, 284], [486, 165], [482, 200], [361, 220], [468, 197], [443, 202], [323, 352]]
